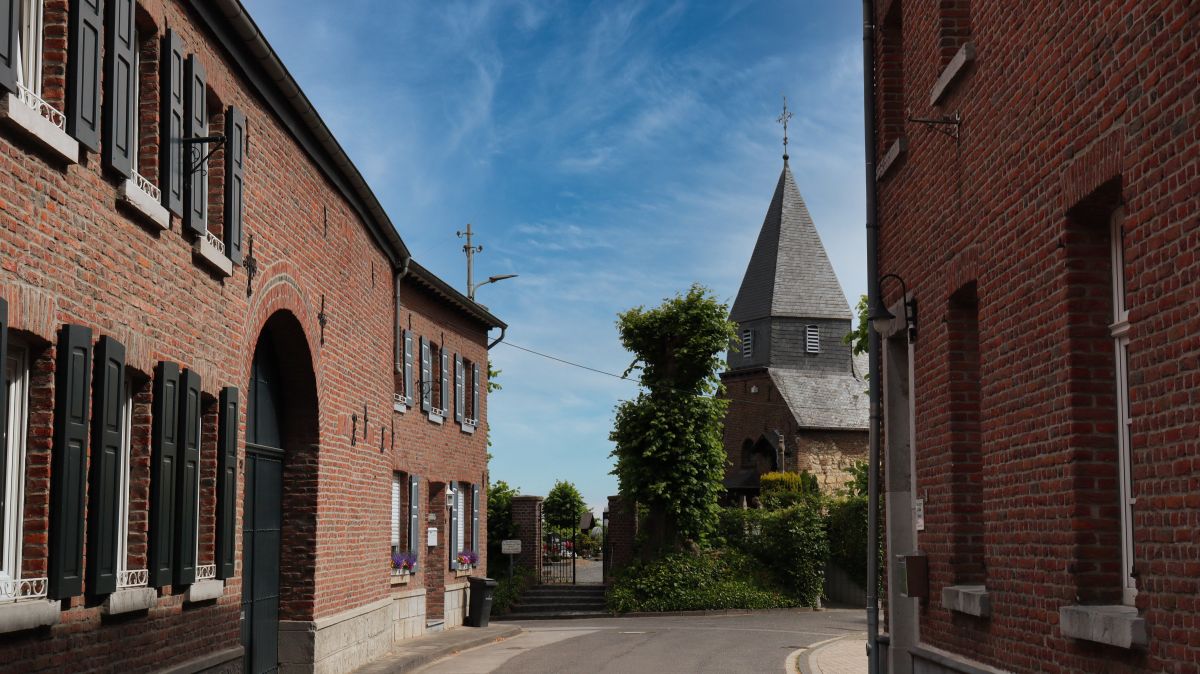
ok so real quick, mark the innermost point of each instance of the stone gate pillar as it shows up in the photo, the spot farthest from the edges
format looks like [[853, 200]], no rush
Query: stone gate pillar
[[527, 519]]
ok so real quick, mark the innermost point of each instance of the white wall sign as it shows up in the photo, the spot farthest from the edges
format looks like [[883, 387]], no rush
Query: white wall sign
[[431, 537], [511, 547], [919, 510]]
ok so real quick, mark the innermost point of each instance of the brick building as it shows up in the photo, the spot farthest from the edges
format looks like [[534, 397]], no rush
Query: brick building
[[230, 395], [1039, 166], [798, 396]]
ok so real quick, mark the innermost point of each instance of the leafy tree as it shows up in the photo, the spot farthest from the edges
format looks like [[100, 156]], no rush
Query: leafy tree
[[857, 338], [563, 506], [669, 452], [499, 520]]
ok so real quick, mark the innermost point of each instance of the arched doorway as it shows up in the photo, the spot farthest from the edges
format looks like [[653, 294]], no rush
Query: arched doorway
[[278, 505]]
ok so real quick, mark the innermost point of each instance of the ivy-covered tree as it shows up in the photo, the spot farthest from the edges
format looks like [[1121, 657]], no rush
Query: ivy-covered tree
[[563, 506], [670, 458], [499, 521]]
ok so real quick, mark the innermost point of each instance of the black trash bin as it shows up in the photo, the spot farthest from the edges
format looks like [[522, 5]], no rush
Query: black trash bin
[[480, 609]]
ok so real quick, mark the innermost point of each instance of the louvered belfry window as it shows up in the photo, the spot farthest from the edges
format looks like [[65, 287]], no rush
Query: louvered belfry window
[[747, 343], [812, 339]]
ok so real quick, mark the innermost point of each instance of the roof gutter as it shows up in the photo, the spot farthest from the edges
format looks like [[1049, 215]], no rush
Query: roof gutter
[[874, 425], [231, 24]]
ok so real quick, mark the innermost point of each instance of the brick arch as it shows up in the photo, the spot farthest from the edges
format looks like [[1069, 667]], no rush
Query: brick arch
[[281, 292], [962, 270]]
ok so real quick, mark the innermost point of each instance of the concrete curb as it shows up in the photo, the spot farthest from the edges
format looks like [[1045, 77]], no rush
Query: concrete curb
[[825, 657], [716, 612], [412, 654]]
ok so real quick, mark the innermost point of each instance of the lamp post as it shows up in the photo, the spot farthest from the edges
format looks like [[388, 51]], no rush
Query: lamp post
[[491, 279], [881, 318], [470, 250]]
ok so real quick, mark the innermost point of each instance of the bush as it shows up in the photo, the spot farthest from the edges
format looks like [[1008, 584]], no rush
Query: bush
[[847, 524], [688, 582], [784, 490], [790, 543], [507, 592]]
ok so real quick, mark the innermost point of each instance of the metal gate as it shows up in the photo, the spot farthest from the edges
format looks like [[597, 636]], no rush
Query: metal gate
[[559, 551]]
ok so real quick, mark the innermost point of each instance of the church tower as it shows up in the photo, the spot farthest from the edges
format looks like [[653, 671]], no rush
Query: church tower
[[798, 395]]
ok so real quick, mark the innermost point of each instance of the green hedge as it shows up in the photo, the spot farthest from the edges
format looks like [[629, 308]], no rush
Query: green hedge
[[791, 543], [784, 490], [688, 582]]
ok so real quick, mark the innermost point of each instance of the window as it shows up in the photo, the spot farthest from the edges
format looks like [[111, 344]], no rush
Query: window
[[123, 484], [437, 374], [747, 343], [1119, 331], [214, 172], [12, 511], [460, 539], [29, 54], [812, 339], [398, 519], [966, 458]]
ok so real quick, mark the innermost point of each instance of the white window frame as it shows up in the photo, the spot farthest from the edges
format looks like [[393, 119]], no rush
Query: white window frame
[[459, 520], [16, 378], [123, 481], [136, 83], [397, 511], [747, 343], [29, 51], [1119, 331], [812, 339]]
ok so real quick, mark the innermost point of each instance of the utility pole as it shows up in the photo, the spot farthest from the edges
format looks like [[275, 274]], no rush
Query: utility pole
[[470, 251]]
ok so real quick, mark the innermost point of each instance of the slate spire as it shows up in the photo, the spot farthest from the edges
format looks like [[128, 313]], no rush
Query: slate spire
[[789, 274]]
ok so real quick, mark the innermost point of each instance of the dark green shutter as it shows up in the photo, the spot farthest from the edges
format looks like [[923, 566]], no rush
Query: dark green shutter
[[235, 187], [170, 167], [83, 72], [475, 393], [408, 368], [452, 535], [227, 442], [120, 104], [163, 462], [10, 21], [445, 380], [187, 489], [104, 497], [414, 511], [458, 388], [68, 468], [195, 197], [475, 519], [426, 376], [3, 394]]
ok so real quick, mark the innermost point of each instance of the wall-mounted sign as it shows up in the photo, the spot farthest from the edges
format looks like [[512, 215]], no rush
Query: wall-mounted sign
[[511, 547], [431, 537], [919, 511]]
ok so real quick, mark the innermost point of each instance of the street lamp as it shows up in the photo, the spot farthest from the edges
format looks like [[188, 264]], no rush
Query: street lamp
[[491, 279], [881, 319]]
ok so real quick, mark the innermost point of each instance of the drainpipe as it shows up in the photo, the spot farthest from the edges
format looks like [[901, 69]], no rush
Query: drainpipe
[[503, 329], [875, 361], [396, 327]]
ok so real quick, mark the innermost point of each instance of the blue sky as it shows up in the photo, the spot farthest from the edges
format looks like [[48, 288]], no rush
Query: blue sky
[[611, 153]]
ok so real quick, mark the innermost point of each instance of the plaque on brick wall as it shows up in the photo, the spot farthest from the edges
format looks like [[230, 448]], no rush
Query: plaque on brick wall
[[510, 547], [431, 537]]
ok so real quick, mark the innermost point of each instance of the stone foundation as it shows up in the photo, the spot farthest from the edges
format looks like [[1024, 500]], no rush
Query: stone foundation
[[456, 604], [408, 614], [339, 643]]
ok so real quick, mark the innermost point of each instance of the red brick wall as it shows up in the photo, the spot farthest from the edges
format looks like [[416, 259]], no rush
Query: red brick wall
[[1063, 99], [68, 255]]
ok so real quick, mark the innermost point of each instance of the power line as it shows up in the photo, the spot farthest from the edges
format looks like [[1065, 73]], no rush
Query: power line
[[564, 361]]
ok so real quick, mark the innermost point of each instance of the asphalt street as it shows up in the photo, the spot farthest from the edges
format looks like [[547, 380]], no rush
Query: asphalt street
[[755, 642]]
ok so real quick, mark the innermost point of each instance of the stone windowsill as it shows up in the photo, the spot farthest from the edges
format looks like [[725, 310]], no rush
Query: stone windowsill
[[893, 154], [24, 615], [205, 590], [956, 67], [969, 599], [215, 258], [38, 128], [469, 429], [461, 585], [1119, 626], [400, 578], [129, 600], [437, 418], [463, 572], [144, 205]]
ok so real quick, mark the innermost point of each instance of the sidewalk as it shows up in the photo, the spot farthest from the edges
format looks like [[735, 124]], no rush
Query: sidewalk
[[845, 655], [411, 654]]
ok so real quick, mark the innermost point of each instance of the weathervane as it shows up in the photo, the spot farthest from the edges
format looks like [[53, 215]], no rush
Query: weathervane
[[783, 119]]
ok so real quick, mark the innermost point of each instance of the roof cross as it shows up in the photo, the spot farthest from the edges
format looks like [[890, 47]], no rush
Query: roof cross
[[783, 119]]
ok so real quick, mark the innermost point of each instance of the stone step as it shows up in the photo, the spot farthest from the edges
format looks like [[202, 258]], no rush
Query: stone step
[[539, 607], [553, 615]]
